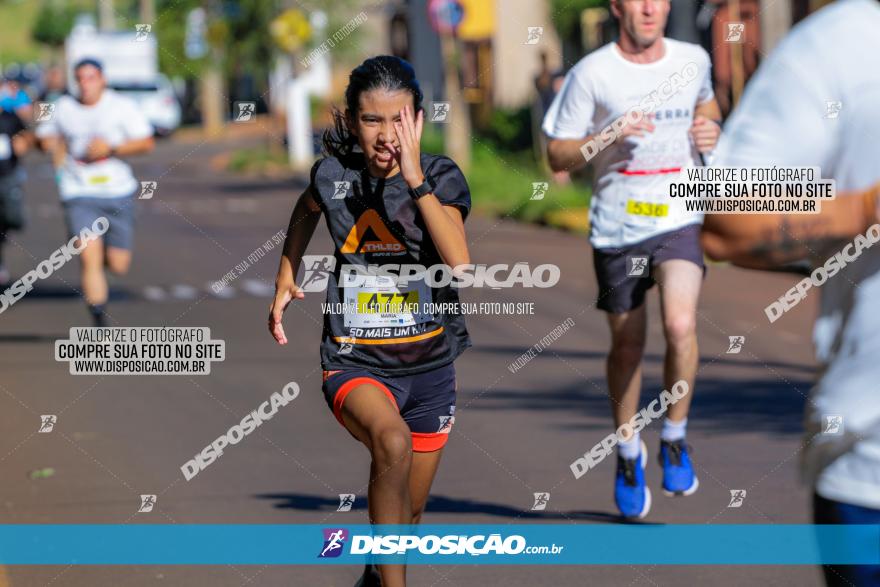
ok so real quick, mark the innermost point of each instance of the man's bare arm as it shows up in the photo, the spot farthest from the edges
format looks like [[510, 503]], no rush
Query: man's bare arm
[[764, 241], [566, 155]]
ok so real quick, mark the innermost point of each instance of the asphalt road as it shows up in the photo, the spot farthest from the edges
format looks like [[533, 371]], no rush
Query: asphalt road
[[516, 433]]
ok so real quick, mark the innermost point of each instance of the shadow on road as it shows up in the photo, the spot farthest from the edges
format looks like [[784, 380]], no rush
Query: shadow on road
[[446, 505], [31, 338], [54, 292], [720, 405], [515, 352]]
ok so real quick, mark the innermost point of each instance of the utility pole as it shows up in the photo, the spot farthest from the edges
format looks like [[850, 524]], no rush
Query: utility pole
[[106, 15], [148, 11], [214, 103]]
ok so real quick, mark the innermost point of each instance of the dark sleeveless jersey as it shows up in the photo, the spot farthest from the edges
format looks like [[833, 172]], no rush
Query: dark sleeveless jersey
[[369, 323]]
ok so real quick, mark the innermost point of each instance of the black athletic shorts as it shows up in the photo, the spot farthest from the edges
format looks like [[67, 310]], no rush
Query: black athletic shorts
[[625, 273], [426, 401]]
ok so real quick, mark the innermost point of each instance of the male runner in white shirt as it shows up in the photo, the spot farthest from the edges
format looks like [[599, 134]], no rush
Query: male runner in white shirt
[[86, 137], [640, 109]]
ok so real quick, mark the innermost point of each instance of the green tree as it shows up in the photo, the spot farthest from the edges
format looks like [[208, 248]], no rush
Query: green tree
[[53, 23]]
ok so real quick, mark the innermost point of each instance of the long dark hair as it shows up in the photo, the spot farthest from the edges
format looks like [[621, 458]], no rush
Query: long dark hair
[[384, 72]]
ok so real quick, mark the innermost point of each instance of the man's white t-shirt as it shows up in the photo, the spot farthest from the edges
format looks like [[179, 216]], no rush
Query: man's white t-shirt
[[813, 102], [602, 87], [115, 119]]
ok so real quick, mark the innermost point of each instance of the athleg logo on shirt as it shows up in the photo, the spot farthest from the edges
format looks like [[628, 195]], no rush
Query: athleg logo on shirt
[[340, 189], [370, 222], [334, 540]]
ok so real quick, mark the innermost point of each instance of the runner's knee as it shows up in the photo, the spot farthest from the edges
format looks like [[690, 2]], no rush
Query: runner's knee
[[118, 264], [628, 349], [392, 446], [680, 329]]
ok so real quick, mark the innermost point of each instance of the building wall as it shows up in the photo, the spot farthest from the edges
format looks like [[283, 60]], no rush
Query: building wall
[[515, 63]]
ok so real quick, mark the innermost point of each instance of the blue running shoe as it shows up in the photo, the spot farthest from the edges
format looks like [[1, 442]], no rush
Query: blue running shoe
[[632, 497], [678, 472]]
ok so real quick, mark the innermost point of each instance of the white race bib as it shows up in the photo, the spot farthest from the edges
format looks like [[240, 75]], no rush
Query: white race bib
[[379, 303]]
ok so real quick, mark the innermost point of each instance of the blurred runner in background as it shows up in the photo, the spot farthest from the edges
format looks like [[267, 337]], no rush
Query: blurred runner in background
[[15, 140], [86, 137], [639, 238]]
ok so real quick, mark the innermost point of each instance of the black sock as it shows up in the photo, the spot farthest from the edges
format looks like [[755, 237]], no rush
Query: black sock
[[98, 312]]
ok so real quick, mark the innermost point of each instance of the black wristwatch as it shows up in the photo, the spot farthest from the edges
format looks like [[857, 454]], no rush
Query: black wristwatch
[[426, 188]]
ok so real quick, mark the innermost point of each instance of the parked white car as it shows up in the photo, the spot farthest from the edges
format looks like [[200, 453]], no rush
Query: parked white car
[[157, 101]]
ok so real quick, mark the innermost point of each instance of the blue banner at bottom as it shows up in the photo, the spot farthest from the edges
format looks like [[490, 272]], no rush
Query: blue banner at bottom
[[528, 544]]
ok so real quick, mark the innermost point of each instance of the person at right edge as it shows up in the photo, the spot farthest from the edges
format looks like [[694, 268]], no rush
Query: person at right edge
[[813, 103]]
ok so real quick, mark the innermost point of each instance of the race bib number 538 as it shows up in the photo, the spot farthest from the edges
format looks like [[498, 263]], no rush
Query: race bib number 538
[[646, 209]]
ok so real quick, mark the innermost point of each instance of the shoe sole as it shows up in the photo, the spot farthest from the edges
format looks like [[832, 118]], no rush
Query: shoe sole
[[689, 491], [647, 507]]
